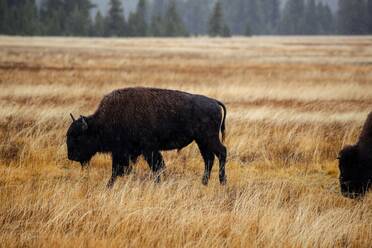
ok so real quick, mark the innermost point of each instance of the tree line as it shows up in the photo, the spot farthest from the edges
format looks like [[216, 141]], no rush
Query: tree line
[[171, 18]]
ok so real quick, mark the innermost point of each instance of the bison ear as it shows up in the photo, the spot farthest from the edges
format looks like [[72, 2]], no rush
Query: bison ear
[[72, 117], [84, 123]]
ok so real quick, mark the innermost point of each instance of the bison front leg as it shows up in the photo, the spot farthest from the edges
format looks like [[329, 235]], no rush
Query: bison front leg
[[156, 163], [120, 166]]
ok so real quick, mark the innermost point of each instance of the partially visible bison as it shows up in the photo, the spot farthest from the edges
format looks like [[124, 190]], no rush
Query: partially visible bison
[[355, 164], [144, 121]]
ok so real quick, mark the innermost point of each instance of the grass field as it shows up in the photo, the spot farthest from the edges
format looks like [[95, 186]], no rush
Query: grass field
[[292, 104]]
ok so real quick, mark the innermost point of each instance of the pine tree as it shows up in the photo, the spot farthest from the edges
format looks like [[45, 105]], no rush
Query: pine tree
[[115, 24], [311, 22], [99, 25], [78, 23], [21, 18], [84, 7], [137, 21], [264, 16], [369, 16], [216, 25], [173, 25], [157, 26], [274, 15], [52, 17], [141, 18], [226, 31], [248, 30], [195, 15], [235, 12], [325, 19], [158, 8], [267, 16], [292, 21], [30, 18], [4, 10], [256, 16], [352, 17]]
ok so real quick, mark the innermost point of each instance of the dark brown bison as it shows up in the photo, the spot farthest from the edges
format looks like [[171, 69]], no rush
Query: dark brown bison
[[355, 164], [144, 121]]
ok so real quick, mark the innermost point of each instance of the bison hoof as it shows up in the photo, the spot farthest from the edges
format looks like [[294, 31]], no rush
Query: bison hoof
[[110, 184], [205, 180], [157, 179], [127, 171], [223, 181]]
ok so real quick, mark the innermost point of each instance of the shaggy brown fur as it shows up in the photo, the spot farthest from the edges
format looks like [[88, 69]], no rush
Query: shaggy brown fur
[[144, 121], [355, 163]]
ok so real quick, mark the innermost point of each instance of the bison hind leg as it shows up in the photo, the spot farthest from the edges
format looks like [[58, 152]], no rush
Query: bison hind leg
[[213, 145], [156, 162], [208, 158]]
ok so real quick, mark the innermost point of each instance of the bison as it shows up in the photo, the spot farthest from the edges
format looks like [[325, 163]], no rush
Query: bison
[[139, 121], [355, 164]]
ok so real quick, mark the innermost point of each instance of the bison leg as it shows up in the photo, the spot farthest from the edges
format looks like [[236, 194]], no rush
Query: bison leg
[[220, 151], [214, 145], [208, 158], [120, 166], [156, 163]]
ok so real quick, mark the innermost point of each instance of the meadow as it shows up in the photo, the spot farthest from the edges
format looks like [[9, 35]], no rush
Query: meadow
[[292, 104]]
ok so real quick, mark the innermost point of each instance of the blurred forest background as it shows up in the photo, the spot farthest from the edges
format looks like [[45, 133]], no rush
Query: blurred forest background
[[170, 18]]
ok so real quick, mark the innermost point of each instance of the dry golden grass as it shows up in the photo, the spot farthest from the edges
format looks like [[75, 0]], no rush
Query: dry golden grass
[[292, 104]]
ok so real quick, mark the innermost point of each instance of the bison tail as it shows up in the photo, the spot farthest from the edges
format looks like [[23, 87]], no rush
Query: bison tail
[[223, 127]]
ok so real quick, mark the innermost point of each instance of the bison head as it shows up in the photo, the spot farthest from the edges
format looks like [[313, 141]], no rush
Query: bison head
[[82, 142], [354, 178]]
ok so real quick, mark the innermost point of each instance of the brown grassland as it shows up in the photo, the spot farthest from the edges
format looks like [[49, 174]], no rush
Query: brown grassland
[[292, 104]]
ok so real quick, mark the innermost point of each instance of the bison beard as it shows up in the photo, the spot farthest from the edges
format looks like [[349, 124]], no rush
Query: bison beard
[[355, 164], [144, 121]]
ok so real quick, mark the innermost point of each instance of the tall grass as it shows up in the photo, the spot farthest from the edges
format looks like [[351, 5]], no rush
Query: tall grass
[[292, 104]]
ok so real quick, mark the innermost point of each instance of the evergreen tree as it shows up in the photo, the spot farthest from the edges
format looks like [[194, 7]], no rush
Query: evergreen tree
[[78, 24], [137, 21], [325, 19], [158, 8], [21, 18], [52, 17], [141, 18], [4, 10], [226, 31], [369, 16], [216, 25], [157, 26], [292, 21], [235, 13], [264, 16], [256, 16], [115, 24], [248, 30], [274, 15], [173, 25], [352, 17], [311, 21], [30, 18], [195, 15], [99, 25]]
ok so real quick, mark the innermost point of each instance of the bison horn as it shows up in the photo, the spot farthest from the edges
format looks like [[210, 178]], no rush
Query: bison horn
[[85, 124], [72, 117]]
